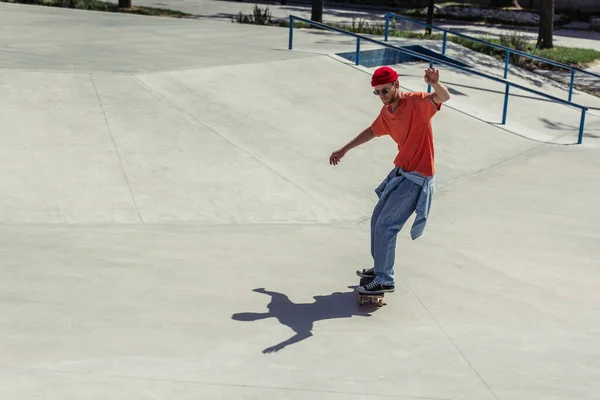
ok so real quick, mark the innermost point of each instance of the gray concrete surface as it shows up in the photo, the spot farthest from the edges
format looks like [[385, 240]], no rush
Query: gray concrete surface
[[171, 227]]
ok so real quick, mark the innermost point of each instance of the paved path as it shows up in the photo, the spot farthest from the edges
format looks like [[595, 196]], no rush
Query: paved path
[[171, 227], [224, 9]]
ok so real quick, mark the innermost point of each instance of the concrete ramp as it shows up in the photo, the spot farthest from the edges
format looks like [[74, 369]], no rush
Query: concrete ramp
[[244, 143], [291, 114]]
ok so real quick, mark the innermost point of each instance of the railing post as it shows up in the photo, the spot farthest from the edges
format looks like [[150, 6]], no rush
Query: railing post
[[291, 33], [506, 64], [357, 50], [571, 84], [444, 44], [505, 104], [387, 26], [581, 125]]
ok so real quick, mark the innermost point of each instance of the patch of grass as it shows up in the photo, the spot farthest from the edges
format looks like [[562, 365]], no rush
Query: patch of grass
[[96, 5], [416, 35], [156, 12], [571, 56]]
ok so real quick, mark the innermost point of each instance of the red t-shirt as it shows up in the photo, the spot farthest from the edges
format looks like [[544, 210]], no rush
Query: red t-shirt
[[410, 128]]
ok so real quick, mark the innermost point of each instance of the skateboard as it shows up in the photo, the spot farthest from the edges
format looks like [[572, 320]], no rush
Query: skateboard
[[370, 298]]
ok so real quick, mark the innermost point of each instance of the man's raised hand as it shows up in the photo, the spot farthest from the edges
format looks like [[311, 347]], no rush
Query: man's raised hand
[[432, 76]]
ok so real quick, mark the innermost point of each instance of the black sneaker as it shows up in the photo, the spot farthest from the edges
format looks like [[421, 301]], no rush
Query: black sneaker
[[366, 273], [375, 288]]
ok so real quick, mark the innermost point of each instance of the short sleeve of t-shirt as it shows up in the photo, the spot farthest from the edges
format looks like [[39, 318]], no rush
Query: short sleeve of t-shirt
[[424, 104], [379, 126]]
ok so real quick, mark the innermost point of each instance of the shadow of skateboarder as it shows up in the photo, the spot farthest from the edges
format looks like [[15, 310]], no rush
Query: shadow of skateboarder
[[301, 317]]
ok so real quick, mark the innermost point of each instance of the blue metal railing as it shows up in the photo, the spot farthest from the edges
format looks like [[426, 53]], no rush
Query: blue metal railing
[[508, 50], [431, 60]]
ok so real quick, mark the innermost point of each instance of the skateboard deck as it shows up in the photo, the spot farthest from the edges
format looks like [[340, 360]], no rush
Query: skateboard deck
[[370, 298]]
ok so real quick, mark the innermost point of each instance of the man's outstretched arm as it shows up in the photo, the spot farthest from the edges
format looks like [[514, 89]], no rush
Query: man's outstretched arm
[[362, 138]]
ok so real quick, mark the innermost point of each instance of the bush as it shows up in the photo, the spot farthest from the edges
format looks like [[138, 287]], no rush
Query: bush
[[517, 41], [258, 17]]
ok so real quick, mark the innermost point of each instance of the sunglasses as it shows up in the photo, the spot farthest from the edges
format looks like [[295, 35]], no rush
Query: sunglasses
[[384, 91]]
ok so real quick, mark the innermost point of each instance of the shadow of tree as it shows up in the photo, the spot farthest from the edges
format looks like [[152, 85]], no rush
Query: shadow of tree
[[332, 10], [344, 15], [301, 317], [348, 13], [561, 126]]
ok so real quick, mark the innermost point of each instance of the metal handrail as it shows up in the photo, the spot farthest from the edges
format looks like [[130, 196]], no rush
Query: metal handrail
[[431, 60], [508, 50]]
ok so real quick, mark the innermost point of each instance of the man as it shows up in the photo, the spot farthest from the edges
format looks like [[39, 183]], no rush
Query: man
[[408, 188]]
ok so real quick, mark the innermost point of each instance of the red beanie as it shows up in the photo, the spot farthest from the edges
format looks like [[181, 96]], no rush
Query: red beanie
[[383, 75]]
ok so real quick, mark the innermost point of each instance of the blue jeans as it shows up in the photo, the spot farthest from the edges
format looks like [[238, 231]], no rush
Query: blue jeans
[[389, 216]]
